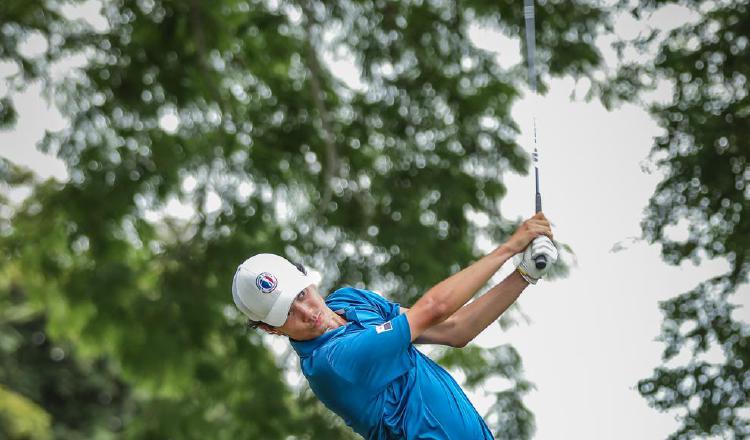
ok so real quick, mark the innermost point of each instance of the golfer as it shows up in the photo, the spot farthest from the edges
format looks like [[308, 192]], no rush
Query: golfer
[[357, 350]]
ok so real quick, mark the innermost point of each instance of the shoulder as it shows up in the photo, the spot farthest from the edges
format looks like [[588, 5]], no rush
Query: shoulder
[[350, 296]]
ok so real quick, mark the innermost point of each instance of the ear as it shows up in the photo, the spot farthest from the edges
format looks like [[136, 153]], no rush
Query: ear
[[271, 330]]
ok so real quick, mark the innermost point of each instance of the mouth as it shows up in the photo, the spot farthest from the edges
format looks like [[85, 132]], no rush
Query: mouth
[[317, 319]]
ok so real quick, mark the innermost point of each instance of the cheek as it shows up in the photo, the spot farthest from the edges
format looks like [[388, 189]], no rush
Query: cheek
[[317, 300]]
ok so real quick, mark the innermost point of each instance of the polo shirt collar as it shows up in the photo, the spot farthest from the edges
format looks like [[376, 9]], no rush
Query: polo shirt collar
[[306, 348]]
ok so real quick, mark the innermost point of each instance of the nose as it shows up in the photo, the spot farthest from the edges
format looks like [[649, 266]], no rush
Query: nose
[[305, 312]]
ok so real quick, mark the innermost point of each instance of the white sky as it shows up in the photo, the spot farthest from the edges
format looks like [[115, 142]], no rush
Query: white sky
[[592, 335]]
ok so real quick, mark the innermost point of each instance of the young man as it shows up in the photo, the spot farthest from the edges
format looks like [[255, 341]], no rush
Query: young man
[[356, 348]]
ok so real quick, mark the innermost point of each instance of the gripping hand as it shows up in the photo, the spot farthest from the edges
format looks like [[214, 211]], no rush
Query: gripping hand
[[527, 266]]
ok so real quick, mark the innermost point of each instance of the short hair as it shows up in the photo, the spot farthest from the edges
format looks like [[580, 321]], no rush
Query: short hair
[[255, 324]]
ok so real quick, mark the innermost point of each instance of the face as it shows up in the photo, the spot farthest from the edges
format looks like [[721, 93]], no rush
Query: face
[[308, 318]]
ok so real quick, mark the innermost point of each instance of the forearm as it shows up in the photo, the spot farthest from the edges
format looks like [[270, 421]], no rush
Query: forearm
[[451, 294], [473, 318]]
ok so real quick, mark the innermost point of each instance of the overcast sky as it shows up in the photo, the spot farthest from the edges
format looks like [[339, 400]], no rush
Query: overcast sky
[[592, 335]]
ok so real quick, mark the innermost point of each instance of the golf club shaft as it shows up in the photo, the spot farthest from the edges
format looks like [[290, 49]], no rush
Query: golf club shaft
[[528, 13]]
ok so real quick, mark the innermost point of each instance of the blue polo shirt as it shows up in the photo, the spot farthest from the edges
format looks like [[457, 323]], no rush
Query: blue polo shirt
[[371, 375]]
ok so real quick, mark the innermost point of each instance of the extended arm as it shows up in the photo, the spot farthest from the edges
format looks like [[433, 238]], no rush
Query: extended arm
[[471, 319], [445, 298]]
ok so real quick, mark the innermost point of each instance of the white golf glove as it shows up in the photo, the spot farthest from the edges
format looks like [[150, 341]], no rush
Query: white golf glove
[[541, 246]]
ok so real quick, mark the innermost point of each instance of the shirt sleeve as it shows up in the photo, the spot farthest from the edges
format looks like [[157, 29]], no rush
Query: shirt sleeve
[[375, 356], [387, 309]]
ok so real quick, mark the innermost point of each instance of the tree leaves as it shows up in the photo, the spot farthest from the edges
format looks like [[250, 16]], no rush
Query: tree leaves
[[508, 415], [200, 135], [703, 155], [21, 418]]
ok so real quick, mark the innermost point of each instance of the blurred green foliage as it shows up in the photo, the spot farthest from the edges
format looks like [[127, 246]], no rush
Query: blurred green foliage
[[704, 156], [478, 365], [203, 132], [21, 418], [82, 399]]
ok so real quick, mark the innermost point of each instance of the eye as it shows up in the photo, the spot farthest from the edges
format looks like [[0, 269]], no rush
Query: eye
[[301, 294]]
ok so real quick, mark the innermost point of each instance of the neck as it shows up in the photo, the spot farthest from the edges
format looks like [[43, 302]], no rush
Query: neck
[[336, 321]]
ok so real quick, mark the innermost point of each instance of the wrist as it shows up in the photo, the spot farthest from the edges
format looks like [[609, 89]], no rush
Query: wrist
[[519, 279], [504, 251], [525, 275]]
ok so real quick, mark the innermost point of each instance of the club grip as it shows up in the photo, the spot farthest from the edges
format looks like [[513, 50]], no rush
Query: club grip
[[540, 261]]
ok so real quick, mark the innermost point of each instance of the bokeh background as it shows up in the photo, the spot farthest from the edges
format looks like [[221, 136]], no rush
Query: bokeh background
[[148, 147]]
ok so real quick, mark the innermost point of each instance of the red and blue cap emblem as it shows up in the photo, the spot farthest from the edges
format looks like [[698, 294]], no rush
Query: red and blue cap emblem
[[266, 282]]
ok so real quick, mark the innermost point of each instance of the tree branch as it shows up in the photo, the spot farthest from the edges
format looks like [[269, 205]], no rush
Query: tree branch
[[316, 72]]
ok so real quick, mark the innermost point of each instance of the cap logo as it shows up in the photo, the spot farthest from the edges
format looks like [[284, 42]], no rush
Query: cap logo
[[266, 282]]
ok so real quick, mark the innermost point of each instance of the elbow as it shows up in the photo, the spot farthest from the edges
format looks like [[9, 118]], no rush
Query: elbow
[[460, 342], [456, 338], [439, 311]]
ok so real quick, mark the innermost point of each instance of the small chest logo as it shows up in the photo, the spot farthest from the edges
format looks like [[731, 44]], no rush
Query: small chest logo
[[266, 282], [384, 327]]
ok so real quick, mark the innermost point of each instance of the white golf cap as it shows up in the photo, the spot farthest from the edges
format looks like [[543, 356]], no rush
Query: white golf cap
[[264, 287]]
